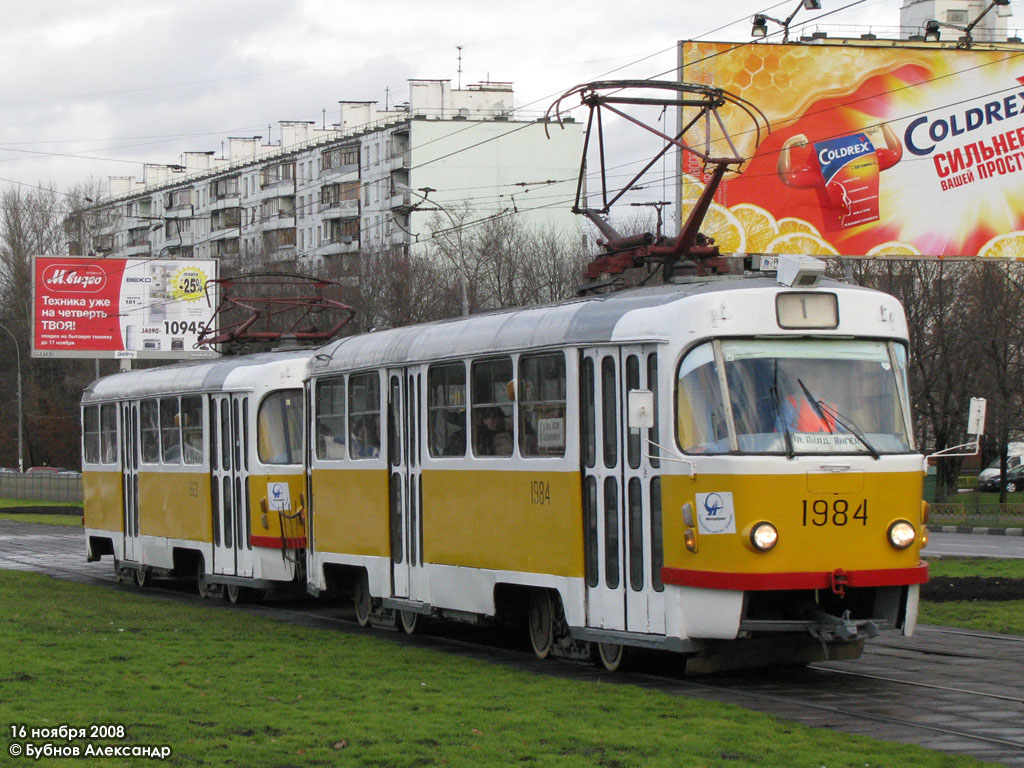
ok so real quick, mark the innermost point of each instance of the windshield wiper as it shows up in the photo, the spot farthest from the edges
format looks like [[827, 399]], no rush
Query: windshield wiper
[[834, 416], [779, 415]]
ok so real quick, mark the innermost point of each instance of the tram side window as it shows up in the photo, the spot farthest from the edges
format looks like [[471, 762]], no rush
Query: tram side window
[[91, 434], [192, 428], [492, 407], [364, 415], [700, 410], [279, 428], [542, 405], [108, 434], [170, 430], [446, 410], [149, 416], [330, 419]]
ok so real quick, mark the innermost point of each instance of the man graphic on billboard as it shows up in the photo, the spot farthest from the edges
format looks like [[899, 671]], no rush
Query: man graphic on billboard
[[844, 172]]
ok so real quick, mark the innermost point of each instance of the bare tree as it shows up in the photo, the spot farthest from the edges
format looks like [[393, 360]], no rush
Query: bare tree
[[31, 224], [945, 368]]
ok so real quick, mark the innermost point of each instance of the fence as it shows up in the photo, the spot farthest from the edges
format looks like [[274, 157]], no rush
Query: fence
[[63, 487], [978, 514]]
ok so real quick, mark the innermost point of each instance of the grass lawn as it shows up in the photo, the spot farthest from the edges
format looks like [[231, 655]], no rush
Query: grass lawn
[[223, 688], [987, 616], [35, 503], [990, 567], [1005, 616]]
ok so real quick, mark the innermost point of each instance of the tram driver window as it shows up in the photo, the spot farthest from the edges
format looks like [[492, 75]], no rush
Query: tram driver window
[[492, 407], [279, 428], [446, 410], [542, 405], [700, 410]]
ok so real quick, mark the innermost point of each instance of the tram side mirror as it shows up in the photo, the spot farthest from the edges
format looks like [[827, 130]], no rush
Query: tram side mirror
[[641, 409], [976, 416]]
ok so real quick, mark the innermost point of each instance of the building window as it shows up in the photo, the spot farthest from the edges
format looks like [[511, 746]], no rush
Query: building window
[[272, 174], [339, 157]]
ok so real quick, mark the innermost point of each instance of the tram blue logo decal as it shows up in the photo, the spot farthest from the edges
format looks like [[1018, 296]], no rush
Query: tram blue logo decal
[[280, 497], [715, 513]]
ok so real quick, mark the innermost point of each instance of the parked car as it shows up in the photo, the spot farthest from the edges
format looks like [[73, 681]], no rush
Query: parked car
[[1014, 480], [1014, 455]]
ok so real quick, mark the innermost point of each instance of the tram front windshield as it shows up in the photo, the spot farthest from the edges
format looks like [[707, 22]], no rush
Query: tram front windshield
[[792, 397]]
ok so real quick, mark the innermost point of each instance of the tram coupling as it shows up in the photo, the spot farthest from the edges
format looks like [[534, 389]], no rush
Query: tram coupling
[[829, 627]]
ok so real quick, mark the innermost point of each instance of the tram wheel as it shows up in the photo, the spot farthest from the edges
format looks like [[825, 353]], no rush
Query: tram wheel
[[361, 600], [613, 657], [234, 593], [142, 576], [540, 623], [409, 621]]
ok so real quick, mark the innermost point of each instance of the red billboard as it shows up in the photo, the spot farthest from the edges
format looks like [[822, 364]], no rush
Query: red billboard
[[874, 150], [127, 308]]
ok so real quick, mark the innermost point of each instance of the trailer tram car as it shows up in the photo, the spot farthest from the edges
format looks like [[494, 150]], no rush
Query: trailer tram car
[[197, 470], [723, 468]]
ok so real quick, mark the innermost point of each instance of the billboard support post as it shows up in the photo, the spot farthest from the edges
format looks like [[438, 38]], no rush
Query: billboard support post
[[21, 416]]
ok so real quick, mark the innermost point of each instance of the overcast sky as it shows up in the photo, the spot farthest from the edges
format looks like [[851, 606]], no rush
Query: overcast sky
[[96, 89]]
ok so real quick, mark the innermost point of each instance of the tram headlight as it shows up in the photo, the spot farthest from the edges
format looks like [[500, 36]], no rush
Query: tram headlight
[[764, 536], [902, 534]]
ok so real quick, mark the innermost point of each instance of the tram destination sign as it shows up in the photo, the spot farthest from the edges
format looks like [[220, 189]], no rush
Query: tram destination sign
[[121, 308], [877, 148]]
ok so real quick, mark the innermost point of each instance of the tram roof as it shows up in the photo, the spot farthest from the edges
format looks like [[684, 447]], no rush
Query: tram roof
[[586, 321], [197, 376]]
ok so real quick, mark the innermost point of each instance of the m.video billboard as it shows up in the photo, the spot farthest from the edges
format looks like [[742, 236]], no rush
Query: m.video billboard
[[124, 308], [874, 149]]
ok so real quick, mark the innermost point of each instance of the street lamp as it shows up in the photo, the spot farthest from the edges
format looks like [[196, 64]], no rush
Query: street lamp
[[931, 27], [760, 26], [17, 352]]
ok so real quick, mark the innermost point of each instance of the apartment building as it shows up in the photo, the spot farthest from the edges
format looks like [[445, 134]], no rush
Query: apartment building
[[374, 180]]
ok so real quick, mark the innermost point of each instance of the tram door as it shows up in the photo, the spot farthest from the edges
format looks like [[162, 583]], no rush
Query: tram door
[[229, 485], [404, 483], [617, 495], [130, 479]]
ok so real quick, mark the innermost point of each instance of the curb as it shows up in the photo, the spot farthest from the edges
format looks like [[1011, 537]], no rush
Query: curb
[[976, 530]]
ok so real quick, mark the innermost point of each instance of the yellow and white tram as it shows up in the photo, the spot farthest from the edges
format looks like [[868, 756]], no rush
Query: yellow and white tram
[[723, 468], [197, 470]]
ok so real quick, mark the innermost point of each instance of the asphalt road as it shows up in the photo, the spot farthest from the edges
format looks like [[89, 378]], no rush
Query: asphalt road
[[973, 545]]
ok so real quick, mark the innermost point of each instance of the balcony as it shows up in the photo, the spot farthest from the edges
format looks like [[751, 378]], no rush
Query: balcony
[[341, 173], [137, 248], [339, 209], [343, 245]]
